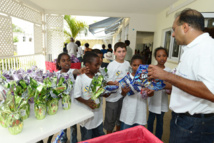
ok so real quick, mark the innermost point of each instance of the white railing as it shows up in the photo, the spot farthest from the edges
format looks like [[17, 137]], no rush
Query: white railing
[[24, 62]]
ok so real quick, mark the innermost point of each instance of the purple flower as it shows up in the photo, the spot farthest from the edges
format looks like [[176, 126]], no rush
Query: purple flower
[[65, 75], [34, 68], [39, 73], [29, 71]]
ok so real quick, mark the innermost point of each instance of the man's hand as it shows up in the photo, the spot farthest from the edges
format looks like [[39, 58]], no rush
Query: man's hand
[[154, 72], [195, 88]]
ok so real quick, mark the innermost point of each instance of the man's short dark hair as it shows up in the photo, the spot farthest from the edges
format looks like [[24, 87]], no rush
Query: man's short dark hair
[[194, 18], [119, 44], [89, 56], [127, 42]]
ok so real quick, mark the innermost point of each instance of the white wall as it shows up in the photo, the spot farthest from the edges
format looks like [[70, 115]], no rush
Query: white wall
[[164, 22], [144, 38], [143, 23], [138, 22]]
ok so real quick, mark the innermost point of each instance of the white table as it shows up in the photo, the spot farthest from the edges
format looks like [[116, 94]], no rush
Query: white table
[[35, 130]]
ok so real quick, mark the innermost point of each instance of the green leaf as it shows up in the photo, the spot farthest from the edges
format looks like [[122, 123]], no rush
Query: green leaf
[[75, 26]]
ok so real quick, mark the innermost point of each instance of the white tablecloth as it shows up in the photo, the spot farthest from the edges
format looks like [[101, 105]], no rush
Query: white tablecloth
[[34, 130]]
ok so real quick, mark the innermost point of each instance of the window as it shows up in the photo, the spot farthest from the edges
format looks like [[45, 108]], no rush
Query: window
[[170, 44], [23, 36], [167, 40], [209, 19], [209, 22], [174, 50]]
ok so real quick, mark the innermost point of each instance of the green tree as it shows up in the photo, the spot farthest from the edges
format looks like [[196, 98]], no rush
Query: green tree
[[15, 39], [74, 27], [17, 29]]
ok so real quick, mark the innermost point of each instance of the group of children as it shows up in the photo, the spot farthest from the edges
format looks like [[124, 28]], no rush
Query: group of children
[[121, 111]]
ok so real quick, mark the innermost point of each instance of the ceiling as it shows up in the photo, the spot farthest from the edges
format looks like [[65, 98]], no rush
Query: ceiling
[[114, 6]]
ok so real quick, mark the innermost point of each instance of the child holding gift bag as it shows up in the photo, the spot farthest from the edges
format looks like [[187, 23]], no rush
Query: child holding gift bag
[[117, 69], [134, 111], [92, 127], [63, 65], [158, 104]]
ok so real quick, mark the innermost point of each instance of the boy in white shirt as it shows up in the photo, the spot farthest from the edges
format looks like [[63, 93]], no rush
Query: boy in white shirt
[[92, 127], [116, 71]]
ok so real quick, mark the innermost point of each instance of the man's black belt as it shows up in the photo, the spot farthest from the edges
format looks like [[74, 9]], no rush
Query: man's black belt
[[197, 115]]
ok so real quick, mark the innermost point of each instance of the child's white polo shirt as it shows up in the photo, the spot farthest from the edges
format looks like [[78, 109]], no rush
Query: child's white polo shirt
[[81, 89], [116, 71], [134, 109], [159, 101]]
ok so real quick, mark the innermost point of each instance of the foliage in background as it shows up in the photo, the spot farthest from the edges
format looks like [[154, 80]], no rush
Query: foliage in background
[[75, 27], [17, 29], [15, 39]]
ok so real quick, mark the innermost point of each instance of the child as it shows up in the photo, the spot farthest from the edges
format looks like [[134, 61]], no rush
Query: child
[[92, 127], [63, 65], [134, 109], [100, 54], [158, 104], [116, 71]]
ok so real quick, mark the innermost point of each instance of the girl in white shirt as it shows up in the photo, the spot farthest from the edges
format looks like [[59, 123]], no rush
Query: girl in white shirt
[[158, 104], [63, 65], [134, 109]]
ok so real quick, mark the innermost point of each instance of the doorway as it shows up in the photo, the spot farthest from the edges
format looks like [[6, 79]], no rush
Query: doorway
[[144, 45]]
